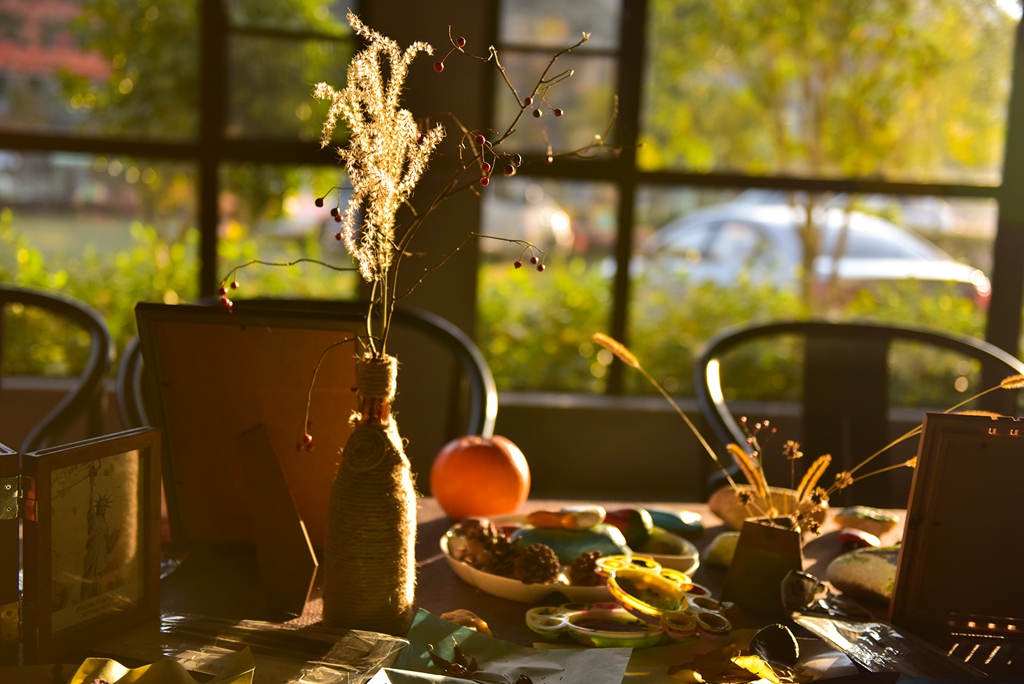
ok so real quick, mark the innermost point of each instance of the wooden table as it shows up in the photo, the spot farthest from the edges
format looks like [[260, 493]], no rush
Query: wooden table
[[224, 582]]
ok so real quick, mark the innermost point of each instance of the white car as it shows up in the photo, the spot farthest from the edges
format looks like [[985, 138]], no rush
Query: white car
[[762, 243]]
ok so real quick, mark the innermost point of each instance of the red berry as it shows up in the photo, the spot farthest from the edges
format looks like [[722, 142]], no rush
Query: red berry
[[334, 211], [319, 201], [438, 67], [480, 139], [226, 303], [222, 290], [298, 446], [510, 170], [307, 438], [337, 218], [485, 167], [527, 101], [337, 236], [485, 181], [518, 264], [537, 113], [540, 267], [310, 448], [550, 159], [234, 285], [557, 111], [534, 259], [460, 42]]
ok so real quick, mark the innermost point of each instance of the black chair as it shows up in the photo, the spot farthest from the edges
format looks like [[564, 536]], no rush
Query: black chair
[[482, 393], [844, 406], [91, 381], [131, 402]]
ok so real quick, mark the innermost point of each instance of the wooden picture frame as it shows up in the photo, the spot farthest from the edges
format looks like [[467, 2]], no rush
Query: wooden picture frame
[[91, 541], [10, 592], [957, 571], [216, 377]]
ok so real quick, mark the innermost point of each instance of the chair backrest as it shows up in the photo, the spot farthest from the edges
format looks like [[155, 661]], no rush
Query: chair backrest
[[91, 380], [844, 405], [483, 393], [215, 375], [131, 402]]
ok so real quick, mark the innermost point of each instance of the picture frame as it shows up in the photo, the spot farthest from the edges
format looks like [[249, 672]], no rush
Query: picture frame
[[215, 378], [10, 564], [90, 525], [956, 573]]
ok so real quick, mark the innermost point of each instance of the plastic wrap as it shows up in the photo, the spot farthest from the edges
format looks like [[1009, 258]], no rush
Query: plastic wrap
[[283, 654]]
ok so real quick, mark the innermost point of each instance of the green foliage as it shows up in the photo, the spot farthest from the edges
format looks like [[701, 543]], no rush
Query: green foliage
[[536, 328], [153, 50], [151, 270], [898, 88]]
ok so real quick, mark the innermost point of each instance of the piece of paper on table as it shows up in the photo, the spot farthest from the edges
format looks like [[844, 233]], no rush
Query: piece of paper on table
[[650, 665], [543, 666]]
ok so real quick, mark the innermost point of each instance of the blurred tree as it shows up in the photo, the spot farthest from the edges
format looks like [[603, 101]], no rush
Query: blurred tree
[[902, 89], [899, 89]]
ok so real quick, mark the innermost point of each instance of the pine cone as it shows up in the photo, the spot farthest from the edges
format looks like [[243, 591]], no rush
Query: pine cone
[[583, 572], [478, 529], [505, 551], [536, 564]]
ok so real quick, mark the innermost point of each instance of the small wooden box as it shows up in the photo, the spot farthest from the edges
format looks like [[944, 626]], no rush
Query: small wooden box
[[89, 521]]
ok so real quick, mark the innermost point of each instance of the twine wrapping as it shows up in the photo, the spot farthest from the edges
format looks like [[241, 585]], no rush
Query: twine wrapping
[[377, 379], [369, 550]]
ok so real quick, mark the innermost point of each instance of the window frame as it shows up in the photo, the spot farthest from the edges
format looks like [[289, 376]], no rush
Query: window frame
[[1004, 316]]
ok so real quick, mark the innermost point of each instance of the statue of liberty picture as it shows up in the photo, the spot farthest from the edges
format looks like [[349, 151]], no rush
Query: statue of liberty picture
[[96, 562]]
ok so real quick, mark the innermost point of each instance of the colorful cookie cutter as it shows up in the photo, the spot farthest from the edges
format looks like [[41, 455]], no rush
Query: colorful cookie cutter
[[664, 596], [598, 624]]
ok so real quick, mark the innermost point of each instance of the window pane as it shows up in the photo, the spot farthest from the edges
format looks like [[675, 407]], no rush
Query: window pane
[[705, 259], [587, 100], [534, 328], [560, 23], [323, 16], [913, 91], [269, 213], [110, 231], [272, 81], [101, 68]]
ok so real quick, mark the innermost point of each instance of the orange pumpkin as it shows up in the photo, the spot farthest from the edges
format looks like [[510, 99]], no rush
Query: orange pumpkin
[[479, 476]]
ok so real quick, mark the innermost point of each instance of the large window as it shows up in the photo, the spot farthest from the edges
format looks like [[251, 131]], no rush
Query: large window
[[128, 172], [795, 160]]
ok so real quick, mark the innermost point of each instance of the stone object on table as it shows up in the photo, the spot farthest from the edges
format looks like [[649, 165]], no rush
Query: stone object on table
[[871, 520], [677, 522], [468, 619], [867, 575], [727, 506], [569, 544], [663, 543], [634, 523], [721, 549], [568, 518], [851, 538]]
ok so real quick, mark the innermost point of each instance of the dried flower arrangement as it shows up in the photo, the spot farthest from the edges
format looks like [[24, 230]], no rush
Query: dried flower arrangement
[[808, 498], [387, 153]]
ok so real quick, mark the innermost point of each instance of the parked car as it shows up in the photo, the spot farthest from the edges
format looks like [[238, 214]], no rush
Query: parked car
[[762, 242]]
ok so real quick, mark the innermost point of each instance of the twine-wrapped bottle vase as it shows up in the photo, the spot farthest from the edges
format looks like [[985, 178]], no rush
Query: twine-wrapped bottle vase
[[369, 550]]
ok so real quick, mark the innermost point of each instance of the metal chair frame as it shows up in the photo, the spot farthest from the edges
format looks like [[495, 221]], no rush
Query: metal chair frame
[[483, 394], [91, 381], [845, 379]]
